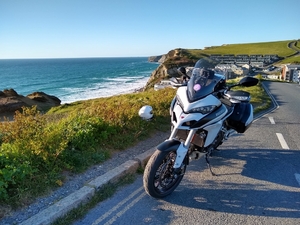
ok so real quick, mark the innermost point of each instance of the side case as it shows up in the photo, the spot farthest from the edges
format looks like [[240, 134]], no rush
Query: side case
[[242, 117]]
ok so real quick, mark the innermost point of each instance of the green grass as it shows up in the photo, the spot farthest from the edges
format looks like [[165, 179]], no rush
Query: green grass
[[36, 149], [264, 48], [279, 48], [292, 60]]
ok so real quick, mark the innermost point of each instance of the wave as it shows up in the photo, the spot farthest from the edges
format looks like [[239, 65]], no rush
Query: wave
[[113, 86], [76, 79]]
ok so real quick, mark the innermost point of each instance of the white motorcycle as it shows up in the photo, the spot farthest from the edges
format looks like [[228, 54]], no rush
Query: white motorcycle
[[204, 113]]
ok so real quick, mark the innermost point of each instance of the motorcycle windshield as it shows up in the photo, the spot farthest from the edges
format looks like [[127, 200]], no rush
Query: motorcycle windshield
[[203, 81]]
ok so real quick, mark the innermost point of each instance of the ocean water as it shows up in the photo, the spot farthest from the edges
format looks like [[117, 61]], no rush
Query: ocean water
[[76, 79]]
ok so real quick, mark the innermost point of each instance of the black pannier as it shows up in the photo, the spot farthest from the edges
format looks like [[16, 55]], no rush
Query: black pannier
[[241, 118]]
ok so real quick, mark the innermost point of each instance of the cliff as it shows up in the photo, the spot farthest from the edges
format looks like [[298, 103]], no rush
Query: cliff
[[169, 63], [11, 101], [159, 58]]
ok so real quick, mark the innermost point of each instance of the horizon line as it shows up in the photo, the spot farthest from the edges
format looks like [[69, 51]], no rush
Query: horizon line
[[87, 57]]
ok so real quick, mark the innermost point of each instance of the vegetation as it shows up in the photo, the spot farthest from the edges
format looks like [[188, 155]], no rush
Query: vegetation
[[293, 60], [288, 51], [36, 149], [259, 98], [279, 48]]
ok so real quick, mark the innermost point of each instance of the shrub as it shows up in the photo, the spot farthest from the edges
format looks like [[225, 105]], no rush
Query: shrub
[[35, 148]]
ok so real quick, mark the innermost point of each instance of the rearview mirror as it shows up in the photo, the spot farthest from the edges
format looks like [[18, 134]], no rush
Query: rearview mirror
[[248, 81]]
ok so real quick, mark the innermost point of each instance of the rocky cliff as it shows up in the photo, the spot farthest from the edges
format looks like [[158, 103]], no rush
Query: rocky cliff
[[159, 58], [169, 63], [11, 101]]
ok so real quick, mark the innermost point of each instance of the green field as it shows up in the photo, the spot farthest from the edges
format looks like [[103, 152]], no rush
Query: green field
[[279, 48]]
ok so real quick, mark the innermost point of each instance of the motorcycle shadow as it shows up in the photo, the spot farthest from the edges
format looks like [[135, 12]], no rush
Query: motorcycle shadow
[[258, 182]]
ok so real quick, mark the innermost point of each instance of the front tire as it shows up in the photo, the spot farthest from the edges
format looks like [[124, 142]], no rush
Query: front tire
[[160, 178]]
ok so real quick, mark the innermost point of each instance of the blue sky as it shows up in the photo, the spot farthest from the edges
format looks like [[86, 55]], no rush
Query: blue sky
[[121, 28]]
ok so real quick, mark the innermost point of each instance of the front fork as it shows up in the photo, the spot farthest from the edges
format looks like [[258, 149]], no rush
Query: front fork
[[182, 148]]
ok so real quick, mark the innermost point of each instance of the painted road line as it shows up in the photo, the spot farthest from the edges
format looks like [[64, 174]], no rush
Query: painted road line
[[123, 202], [272, 120], [119, 214], [282, 141]]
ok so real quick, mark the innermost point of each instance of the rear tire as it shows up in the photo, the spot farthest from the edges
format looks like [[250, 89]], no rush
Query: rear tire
[[160, 178]]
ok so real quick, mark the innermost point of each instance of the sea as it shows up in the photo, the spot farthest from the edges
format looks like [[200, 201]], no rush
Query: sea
[[75, 79]]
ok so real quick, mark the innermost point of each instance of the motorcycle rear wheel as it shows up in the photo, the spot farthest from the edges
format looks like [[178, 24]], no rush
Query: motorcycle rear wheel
[[160, 178]]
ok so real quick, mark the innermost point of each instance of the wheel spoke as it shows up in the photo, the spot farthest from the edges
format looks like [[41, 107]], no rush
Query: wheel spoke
[[165, 177], [160, 179]]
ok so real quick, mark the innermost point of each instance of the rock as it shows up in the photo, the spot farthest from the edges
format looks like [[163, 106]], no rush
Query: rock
[[170, 62], [154, 58], [10, 93], [11, 101], [43, 97], [10, 104], [159, 58]]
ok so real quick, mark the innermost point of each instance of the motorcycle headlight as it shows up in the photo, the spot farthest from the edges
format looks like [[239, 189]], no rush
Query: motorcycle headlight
[[203, 109]]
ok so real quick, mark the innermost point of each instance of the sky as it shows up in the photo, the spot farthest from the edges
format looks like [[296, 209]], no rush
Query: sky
[[130, 28]]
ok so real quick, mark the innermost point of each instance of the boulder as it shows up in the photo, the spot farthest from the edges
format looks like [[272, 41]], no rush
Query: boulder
[[43, 97], [11, 101]]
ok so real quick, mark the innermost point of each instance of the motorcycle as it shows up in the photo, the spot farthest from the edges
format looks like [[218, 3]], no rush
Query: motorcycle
[[204, 113]]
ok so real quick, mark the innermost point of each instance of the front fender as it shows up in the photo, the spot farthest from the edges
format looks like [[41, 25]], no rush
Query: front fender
[[175, 145], [168, 145]]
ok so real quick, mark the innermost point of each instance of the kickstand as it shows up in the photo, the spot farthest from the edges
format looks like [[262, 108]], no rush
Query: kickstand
[[208, 164]]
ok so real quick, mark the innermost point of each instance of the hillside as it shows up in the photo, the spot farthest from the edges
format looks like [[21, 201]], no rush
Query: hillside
[[288, 51]]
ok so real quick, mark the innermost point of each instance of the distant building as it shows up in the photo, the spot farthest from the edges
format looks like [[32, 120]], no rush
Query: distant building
[[241, 70], [253, 60], [290, 72], [229, 74], [228, 70]]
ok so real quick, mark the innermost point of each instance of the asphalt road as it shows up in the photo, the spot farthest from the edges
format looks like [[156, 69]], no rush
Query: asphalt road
[[258, 179]]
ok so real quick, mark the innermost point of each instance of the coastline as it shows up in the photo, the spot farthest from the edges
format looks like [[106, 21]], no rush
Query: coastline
[[9, 115], [77, 79]]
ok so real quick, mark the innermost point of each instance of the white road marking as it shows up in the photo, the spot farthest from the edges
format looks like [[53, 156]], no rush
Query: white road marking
[[282, 141], [297, 176], [272, 120], [119, 214], [104, 216]]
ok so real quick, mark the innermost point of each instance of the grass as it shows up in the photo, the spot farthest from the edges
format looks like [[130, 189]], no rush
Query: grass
[[180, 56], [264, 48], [279, 48], [291, 60], [36, 149]]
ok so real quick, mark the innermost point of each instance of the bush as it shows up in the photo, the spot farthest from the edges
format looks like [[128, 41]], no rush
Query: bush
[[36, 148]]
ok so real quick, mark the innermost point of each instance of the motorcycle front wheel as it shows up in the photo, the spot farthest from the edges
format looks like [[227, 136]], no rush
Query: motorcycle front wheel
[[160, 178]]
